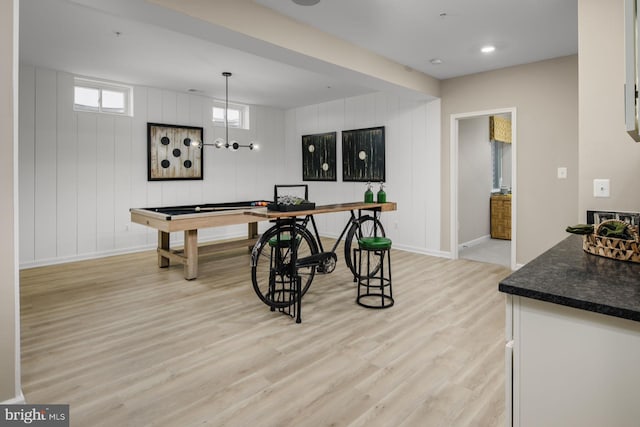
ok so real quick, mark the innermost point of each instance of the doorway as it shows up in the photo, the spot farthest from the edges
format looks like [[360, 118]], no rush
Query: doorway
[[483, 189]]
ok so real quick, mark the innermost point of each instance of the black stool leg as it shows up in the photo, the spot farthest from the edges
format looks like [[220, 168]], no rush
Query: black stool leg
[[376, 284], [381, 254], [390, 281], [298, 280], [358, 278], [272, 279], [368, 271]]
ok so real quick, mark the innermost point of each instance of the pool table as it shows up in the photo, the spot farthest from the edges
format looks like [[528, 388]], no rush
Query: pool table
[[193, 217]]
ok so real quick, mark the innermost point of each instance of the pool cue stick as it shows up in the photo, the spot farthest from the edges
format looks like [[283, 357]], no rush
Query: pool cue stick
[[205, 209], [227, 208]]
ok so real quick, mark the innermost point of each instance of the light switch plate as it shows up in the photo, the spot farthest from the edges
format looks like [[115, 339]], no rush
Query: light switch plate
[[600, 188]]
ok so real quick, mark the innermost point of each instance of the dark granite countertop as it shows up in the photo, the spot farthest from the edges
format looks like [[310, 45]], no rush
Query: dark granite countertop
[[567, 275]]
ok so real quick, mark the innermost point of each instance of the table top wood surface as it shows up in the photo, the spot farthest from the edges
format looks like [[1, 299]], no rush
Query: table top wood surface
[[337, 207], [197, 220]]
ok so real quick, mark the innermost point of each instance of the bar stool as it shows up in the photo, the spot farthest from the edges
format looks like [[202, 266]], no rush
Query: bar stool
[[283, 289], [374, 286]]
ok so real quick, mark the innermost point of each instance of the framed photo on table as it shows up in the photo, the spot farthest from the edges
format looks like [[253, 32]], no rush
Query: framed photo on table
[[319, 157], [363, 154], [170, 155]]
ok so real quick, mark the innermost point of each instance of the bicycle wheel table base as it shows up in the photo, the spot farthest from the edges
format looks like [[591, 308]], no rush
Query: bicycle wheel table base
[[287, 256], [286, 291], [271, 271]]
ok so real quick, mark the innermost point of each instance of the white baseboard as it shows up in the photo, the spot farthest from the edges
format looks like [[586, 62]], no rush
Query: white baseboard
[[474, 242], [123, 251], [408, 248], [423, 251], [83, 257], [18, 400], [149, 247]]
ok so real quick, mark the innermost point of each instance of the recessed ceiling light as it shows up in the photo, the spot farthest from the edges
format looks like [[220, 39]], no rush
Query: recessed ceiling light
[[487, 49], [436, 61], [306, 2]]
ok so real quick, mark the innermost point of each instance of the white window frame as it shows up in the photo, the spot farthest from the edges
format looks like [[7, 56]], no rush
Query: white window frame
[[127, 91], [243, 110]]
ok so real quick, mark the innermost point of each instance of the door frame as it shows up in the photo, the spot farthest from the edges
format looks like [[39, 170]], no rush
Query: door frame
[[453, 177]]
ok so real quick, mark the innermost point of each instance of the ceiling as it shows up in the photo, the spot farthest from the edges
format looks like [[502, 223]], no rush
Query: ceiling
[[135, 42]]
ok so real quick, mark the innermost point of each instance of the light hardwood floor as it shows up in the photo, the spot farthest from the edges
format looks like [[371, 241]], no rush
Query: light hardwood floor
[[128, 344]]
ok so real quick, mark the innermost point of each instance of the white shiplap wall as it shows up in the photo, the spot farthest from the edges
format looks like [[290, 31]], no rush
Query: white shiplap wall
[[412, 137], [81, 172]]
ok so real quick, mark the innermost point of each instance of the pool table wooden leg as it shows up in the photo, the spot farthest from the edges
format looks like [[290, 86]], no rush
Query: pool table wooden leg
[[191, 254], [252, 232], [163, 243]]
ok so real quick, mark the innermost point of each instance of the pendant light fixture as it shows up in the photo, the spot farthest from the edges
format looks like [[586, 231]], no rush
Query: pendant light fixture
[[226, 143]]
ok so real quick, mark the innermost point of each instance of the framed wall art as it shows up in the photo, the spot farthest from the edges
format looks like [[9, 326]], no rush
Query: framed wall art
[[170, 154], [319, 157], [363, 155]]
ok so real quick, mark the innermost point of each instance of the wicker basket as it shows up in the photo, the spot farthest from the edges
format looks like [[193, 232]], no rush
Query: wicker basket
[[611, 247]]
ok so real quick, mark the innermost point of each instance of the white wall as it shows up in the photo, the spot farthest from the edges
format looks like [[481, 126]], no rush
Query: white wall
[[10, 389], [545, 95], [412, 138], [81, 172], [605, 149], [474, 179]]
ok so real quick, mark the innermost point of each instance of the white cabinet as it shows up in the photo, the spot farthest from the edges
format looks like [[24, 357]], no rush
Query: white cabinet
[[570, 367]]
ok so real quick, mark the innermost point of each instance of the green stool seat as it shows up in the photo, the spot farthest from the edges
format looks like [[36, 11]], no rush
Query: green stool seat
[[374, 243], [374, 277], [285, 240]]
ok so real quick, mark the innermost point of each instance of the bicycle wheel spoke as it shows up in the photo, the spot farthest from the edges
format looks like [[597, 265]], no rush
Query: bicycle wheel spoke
[[366, 226]]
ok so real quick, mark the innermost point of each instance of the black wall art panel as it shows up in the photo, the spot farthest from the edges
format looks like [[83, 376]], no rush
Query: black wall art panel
[[363, 157], [319, 157]]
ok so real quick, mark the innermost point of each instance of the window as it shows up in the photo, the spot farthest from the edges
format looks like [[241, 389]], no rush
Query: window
[[501, 159], [496, 159], [101, 97], [237, 115]]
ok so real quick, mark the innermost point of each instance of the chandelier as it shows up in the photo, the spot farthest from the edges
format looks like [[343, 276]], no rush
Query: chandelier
[[226, 143]]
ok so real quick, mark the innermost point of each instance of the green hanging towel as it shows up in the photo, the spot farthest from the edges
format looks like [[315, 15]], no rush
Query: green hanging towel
[[616, 230], [580, 229]]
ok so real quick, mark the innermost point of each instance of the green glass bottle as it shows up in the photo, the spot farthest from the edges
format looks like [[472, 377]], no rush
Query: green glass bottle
[[368, 195], [381, 196]]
